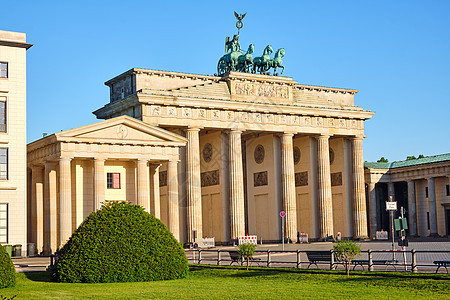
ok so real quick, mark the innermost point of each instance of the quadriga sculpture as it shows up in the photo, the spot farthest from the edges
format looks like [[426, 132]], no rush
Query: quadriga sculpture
[[245, 60], [277, 61], [261, 63]]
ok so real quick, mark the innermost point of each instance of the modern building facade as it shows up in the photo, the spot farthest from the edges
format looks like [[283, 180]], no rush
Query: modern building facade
[[13, 200], [421, 186], [257, 145]]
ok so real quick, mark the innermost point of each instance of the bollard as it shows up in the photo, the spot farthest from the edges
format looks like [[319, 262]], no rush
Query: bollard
[[370, 260], [218, 257], [268, 258], [413, 261], [199, 256], [332, 260], [298, 259]]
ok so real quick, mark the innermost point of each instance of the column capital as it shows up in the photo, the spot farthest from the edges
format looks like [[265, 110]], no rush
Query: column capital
[[36, 166], [357, 137], [191, 129], [50, 162], [100, 158], [323, 136], [288, 134], [236, 130], [65, 158]]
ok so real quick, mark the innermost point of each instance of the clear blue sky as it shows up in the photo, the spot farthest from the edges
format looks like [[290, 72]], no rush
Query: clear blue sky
[[396, 53]]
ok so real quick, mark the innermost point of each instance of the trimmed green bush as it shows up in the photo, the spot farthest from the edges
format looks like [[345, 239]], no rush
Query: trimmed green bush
[[7, 270], [120, 243]]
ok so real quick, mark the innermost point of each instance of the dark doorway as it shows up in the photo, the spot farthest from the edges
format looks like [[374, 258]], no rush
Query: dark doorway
[[383, 215], [448, 221]]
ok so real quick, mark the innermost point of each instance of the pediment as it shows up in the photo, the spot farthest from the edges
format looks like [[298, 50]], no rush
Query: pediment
[[122, 129]]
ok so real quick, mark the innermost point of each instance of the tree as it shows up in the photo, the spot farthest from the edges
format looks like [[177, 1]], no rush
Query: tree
[[383, 160], [412, 157], [246, 251], [421, 156], [346, 251]]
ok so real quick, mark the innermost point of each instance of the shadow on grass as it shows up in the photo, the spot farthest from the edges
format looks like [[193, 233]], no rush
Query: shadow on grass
[[382, 274], [38, 276]]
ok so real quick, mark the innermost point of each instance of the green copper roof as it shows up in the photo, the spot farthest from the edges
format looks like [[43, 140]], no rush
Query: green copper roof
[[408, 163]]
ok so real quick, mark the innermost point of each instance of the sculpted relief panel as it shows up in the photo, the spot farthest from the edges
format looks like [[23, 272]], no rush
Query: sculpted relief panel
[[209, 178], [261, 90], [261, 118]]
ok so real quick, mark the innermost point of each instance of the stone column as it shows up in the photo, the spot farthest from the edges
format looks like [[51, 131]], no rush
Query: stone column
[[99, 183], [155, 202], [50, 208], [372, 209], [172, 199], [288, 183], [237, 218], [412, 219], [432, 204], [37, 207], [324, 196], [65, 200], [193, 184], [391, 196], [421, 206], [142, 184], [359, 197]]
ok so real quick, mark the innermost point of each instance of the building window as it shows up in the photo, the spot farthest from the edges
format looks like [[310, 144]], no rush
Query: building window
[[3, 70], [447, 187], [3, 223], [428, 220], [113, 180], [4, 163], [426, 192], [2, 114]]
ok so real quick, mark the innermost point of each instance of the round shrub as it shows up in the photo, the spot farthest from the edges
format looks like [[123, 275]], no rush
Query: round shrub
[[7, 270], [120, 243]]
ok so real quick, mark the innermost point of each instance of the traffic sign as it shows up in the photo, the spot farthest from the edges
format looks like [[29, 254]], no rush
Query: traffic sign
[[282, 214]]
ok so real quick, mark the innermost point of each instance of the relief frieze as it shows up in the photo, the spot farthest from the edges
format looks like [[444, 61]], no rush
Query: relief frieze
[[209, 178], [156, 110], [301, 178], [171, 111], [201, 113], [261, 90], [260, 178], [187, 112], [268, 118], [215, 114], [230, 115], [336, 179]]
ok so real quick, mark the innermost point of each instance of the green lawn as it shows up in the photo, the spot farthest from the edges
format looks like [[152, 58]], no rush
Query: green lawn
[[232, 283]]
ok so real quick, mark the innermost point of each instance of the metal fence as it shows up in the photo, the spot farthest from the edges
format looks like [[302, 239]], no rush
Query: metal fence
[[371, 260]]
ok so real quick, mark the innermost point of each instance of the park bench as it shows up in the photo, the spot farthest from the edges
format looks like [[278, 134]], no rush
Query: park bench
[[315, 257], [380, 262], [234, 255], [441, 263], [235, 258]]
